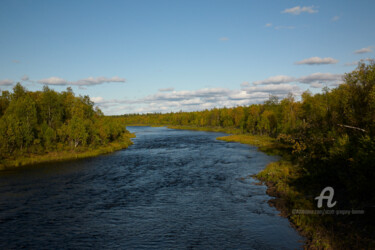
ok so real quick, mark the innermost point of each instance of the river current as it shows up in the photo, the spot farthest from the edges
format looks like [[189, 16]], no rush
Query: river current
[[172, 189]]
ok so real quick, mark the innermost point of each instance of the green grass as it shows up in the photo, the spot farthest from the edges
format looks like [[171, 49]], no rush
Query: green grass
[[144, 125], [208, 129], [264, 143], [31, 159], [279, 177]]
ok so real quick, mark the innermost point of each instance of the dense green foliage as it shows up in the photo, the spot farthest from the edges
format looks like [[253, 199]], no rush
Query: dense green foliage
[[35, 123]]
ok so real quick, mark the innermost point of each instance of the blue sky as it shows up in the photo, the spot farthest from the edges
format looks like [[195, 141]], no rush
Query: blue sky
[[160, 56]]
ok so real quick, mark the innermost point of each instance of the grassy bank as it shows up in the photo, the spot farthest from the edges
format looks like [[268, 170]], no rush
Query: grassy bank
[[279, 177], [208, 129], [80, 153], [264, 143], [284, 180]]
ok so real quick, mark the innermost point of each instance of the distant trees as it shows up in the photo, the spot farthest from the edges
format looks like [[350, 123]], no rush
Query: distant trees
[[45, 121]]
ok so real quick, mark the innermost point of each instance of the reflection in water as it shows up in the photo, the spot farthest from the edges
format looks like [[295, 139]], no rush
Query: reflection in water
[[171, 189]]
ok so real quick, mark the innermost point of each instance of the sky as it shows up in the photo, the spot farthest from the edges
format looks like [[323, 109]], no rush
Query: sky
[[171, 55]]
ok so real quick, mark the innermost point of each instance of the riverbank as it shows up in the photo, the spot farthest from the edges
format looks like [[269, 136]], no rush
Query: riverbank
[[293, 190], [279, 177], [81, 153]]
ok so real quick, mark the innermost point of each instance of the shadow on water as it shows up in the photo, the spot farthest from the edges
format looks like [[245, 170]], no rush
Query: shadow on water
[[171, 189]]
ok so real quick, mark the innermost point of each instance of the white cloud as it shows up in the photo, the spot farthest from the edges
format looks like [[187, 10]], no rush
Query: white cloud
[[314, 80], [317, 60], [83, 82], [275, 80], [274, 89], [224, 38], [16, 61], [25, 78], [268, 25], [206, 93], [298, 10], [316, 85], [97, 99], [97, 80], [364, 50], [6, 82], [166, 89], [320, 77], [53, 81]]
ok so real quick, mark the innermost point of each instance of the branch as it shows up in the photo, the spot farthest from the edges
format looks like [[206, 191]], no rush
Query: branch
[[346, 126]]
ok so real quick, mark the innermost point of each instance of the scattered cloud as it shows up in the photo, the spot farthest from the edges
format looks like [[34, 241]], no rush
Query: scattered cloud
[[166, 89], [275, 80], [97, 99], [316, 85], [84, 82], [53, 81], [298, 10], [314, 80], [364, 50], [278, 89], [16, 61], [320, 77], [97, 80], [25, 78], [224, 38], [192, 100], [185, 94], [335, 18], [317, 60], [268, 25], [6, 82]]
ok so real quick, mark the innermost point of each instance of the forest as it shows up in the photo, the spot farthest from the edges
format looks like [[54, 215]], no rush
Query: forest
[[330, 137], [33, 124]]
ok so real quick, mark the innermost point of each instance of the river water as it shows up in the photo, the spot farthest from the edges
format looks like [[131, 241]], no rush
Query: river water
[[172, 189]]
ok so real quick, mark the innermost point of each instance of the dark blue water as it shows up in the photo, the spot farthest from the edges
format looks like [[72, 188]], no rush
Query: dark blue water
[[172, 189]]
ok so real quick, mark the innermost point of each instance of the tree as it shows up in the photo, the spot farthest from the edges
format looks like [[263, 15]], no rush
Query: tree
[[4, 101], [51, 107], [77, 132], [21, 119]]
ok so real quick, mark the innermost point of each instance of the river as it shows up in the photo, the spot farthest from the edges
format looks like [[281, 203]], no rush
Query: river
[[172, 189]]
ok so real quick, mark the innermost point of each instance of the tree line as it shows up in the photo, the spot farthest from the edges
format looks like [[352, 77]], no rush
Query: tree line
[[46, 121], [331, 133]]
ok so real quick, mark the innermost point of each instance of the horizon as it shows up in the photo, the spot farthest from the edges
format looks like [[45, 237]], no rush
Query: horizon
[[167, 56]]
